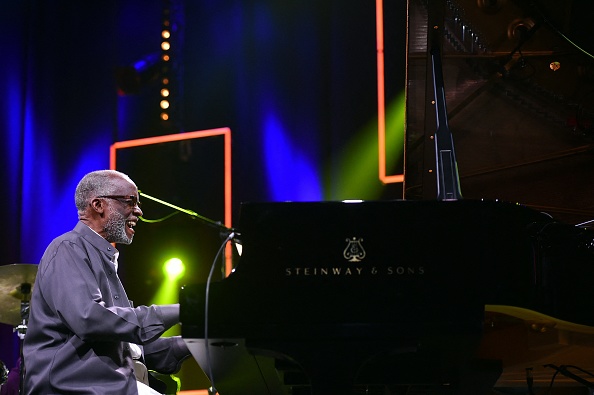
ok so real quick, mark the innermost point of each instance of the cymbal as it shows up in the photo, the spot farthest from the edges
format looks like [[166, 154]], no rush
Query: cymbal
[[11, 279]]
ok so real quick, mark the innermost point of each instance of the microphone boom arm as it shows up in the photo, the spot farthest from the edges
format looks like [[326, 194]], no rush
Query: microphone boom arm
[[217, 224]]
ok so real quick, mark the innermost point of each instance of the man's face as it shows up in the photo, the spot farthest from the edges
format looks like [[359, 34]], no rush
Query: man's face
[[117, 229], [122, 214]]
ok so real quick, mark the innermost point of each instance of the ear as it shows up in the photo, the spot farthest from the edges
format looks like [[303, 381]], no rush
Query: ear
[[97, 205]]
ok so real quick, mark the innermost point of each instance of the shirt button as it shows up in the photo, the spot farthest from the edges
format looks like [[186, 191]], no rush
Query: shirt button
[[116, 297]]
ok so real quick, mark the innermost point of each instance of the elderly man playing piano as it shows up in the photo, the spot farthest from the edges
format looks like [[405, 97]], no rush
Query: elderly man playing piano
[[84, 336]]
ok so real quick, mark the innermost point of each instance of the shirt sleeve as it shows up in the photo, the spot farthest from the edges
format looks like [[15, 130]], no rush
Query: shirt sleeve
[[165, 355], [74, 286]]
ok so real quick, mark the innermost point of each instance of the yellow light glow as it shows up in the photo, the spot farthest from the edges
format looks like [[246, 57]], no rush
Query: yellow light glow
[[165, 46], [359, 158], [164, 104], [165, 92], [174, 268], [165, 34]]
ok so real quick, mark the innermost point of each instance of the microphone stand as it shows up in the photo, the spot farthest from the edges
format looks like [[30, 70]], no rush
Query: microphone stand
[[22, 330], [224, 230]]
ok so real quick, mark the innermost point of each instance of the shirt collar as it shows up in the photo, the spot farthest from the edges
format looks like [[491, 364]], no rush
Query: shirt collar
[[98, 241]]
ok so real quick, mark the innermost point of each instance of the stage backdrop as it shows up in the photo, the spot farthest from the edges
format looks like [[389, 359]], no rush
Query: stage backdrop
[[295, 81]]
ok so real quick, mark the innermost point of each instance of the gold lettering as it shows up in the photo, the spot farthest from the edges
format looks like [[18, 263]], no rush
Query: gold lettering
[[349, 271]]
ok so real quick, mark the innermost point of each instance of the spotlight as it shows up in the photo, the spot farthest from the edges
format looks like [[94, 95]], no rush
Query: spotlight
[[174, 268], [170, 45], [166, 34]]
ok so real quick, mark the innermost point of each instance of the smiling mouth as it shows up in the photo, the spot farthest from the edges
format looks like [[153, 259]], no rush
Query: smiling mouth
[[130, 225]]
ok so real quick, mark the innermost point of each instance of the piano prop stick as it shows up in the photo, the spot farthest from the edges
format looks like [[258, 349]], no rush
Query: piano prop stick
[[448, 179]]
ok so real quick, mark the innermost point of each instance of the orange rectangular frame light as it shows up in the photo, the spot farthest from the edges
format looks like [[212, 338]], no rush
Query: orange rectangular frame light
[[381, 105], [225, 132]]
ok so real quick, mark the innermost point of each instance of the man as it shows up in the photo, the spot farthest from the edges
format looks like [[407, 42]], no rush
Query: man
[[83, 335]]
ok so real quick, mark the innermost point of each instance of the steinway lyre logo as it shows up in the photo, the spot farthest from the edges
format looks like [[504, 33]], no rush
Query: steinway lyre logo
[[354, 251]]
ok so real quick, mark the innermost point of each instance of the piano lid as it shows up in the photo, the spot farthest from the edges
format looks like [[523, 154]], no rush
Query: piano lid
[[525, 135]]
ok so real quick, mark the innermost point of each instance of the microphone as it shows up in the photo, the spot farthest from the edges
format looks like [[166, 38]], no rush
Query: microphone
[[225, 231]]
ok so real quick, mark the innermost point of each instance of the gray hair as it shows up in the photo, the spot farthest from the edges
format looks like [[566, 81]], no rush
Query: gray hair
[[95, 183]]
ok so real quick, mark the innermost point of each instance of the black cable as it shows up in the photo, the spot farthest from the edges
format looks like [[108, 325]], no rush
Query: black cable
[[212, 389], [552, 382], [563, 369], [530, 381]]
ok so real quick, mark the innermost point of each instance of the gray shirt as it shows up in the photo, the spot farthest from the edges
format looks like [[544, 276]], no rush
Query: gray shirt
[[81, 322]]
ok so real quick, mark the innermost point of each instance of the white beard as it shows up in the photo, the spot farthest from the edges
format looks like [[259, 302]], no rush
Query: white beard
[[115, 229]]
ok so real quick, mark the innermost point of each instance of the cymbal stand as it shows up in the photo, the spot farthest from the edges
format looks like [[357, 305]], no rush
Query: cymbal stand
[[22, 330], [3, 374]]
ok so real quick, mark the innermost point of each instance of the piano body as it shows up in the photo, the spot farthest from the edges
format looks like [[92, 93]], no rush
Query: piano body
[[337, 297], [451, 295]]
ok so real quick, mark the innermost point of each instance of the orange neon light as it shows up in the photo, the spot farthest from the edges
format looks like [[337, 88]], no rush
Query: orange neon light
[[381, 100], [225, 132]]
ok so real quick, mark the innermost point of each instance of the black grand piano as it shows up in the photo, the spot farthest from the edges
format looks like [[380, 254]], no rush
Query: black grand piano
[[339, 297], [452, 295]]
